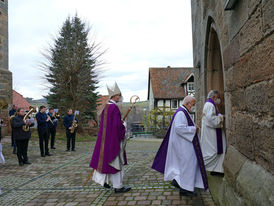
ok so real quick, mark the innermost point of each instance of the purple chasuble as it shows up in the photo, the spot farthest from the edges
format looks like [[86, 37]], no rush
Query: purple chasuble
[[111, 133], [218, 131], [160, 158]]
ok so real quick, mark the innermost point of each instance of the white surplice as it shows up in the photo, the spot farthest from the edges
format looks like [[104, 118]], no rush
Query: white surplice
[[181, 161], [115, 179], [211, 121], [2, 159]]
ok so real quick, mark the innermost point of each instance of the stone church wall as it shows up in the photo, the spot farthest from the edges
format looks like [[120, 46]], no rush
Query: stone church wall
[[246, 37]]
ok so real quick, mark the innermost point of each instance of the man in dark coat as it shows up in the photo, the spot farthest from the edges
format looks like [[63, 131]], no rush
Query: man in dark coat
[[52, 124], [12, 114], [42, 125], [21, 137], [68, 120]]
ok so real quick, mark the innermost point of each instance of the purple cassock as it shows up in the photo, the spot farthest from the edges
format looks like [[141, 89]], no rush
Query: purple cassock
[[218, 130], [110, 135], [159, 162]]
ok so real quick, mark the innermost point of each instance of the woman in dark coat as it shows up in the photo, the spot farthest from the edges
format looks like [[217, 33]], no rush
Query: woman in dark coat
[[21, 137]]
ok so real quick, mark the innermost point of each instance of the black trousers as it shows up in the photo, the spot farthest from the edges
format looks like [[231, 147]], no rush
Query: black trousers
[[13, 143], [11, 137], [22, 150], [70, 138], [52, 133], [43, 140]]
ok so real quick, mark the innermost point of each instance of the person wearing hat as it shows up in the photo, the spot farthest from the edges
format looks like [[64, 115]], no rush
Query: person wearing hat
[[109, 157]]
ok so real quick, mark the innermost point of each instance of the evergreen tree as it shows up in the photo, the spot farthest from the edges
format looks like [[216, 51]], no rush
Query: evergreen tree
[[71, 68]]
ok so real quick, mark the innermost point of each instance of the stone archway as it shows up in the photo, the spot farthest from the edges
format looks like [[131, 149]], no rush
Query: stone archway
[[214, 73]]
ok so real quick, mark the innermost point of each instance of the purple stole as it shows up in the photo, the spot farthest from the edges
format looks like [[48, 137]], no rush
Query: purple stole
[[198, 151], [160, 158], [218, 131]]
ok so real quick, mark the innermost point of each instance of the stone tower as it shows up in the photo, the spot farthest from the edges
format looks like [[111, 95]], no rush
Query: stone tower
[[5, 74]]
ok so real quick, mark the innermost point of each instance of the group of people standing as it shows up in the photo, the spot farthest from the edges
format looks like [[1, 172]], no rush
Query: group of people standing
[[46, 127], [183, 157]]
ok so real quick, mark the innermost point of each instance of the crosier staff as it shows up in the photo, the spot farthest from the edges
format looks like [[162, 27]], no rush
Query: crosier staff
[[133, 101]]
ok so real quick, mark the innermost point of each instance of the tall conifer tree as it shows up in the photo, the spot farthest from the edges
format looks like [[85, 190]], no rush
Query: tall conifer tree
[[71, 68]]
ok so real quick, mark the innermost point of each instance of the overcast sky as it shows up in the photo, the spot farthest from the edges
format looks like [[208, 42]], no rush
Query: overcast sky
[[137, 33]]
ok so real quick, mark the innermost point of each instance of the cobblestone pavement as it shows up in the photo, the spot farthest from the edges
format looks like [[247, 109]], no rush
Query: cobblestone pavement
[[58, 180]]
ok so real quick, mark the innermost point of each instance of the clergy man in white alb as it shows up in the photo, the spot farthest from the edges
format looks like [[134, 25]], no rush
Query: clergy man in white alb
[[213, 140], [179, 157]]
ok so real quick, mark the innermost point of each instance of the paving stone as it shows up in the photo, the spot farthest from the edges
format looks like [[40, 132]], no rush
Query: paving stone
[[143, 202], [156, 202], [140, 198], [129, 198], [71, 204], [132, 203]]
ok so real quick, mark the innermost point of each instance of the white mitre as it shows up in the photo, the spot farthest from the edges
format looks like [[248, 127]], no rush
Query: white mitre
[[113, 90]]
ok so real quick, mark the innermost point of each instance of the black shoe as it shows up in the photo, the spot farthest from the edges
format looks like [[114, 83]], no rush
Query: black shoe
[[27, 163], [217, 174], [175, 184], [73, 150], [187, 193], [14, 152], [48, 154], [21, 164], [122, 190], [53, 148], [106, 186], [42, 155], [67, 150]]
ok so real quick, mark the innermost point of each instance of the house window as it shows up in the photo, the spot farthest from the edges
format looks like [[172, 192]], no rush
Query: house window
[[160, 103], [174, 104], [190, 87]]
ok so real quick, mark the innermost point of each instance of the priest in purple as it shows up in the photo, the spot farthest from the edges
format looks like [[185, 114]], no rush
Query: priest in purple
[[180, 158], [109, 155]]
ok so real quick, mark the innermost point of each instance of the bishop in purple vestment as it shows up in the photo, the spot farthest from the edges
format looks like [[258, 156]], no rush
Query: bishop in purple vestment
[[109, 155]]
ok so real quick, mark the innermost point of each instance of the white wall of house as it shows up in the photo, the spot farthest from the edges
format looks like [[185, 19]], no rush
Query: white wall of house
[[151, 97], [167, 103], [180, 103]]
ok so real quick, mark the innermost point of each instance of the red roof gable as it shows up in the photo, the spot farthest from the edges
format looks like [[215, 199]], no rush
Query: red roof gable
[[166, 82], [19, 100]]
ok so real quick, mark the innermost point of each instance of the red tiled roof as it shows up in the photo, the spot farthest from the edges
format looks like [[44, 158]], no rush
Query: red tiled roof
[[19, 100], [166, 82]]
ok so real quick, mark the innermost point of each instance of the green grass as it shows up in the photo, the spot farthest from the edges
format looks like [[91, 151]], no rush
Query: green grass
[[61, 135]]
